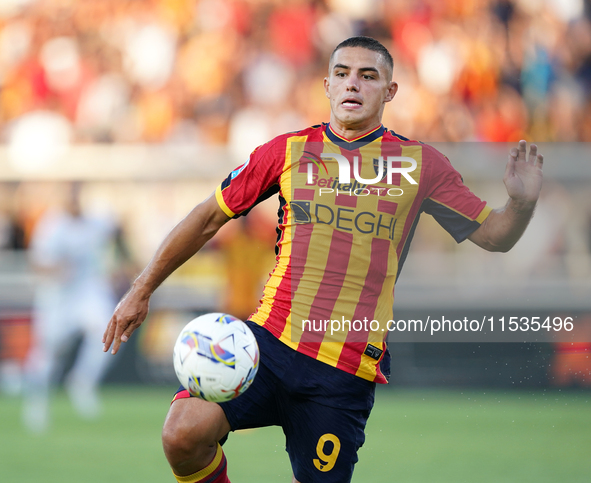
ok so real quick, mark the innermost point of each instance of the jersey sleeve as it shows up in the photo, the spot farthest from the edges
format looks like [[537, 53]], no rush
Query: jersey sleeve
[[252, 182], [459, 211]]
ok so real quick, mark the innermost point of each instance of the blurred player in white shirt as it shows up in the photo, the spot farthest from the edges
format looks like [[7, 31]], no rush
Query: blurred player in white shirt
[[71, 253]]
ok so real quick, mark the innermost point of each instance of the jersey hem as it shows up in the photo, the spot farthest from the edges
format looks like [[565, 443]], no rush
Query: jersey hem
[[368, 376]]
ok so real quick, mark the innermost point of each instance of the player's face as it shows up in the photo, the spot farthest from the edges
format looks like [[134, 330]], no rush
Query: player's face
[[358, 86]]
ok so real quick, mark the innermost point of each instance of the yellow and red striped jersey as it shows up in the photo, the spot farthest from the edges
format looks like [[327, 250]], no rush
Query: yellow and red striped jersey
[[347, 213]]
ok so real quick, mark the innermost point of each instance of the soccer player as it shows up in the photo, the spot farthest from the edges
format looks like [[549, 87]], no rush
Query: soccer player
[[70, 252], [350, 194]]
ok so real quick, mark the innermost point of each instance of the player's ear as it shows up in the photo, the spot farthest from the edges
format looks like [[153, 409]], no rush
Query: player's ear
[[392, 89], [326, 86]]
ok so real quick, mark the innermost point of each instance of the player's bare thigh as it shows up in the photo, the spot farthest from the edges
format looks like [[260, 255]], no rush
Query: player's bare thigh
[[191, 432]]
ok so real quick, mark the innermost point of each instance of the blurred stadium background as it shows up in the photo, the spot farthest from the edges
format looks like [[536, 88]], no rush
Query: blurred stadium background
[[150, 103]]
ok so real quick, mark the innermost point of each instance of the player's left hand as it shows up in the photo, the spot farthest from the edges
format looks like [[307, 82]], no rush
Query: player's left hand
[[523, 176]]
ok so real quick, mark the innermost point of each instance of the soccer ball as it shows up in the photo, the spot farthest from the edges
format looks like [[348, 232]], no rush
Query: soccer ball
[[216, 357]]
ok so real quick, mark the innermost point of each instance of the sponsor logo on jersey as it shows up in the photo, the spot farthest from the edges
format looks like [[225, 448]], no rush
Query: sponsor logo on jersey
[[373, 352], [378, 224]]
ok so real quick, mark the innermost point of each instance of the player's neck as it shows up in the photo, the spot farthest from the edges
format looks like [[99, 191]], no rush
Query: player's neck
[[351, 133]]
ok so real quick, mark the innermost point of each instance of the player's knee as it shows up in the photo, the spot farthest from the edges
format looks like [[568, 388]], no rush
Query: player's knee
[[183, 443]]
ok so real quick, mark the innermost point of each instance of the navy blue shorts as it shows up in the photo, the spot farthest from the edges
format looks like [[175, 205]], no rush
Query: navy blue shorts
[[322, 410]]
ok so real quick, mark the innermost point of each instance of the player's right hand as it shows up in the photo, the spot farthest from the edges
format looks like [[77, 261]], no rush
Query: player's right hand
[[128, 316]]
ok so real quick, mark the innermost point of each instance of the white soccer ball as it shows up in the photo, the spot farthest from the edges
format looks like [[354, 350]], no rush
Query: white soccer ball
[[216, 357]]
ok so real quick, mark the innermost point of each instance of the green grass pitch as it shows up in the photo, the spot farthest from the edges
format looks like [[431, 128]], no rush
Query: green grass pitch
[[413, 436]]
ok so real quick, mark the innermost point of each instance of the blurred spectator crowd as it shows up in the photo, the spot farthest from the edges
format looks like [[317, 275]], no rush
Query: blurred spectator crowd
[[237, 72]]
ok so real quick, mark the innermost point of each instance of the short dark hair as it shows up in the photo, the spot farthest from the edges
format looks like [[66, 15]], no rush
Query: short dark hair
[[366, 43]]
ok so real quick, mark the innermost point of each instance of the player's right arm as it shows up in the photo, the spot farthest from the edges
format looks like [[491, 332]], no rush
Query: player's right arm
[[185, 239]]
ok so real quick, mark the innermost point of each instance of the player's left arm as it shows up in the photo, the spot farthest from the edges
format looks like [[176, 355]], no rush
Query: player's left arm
[[523, 180]]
